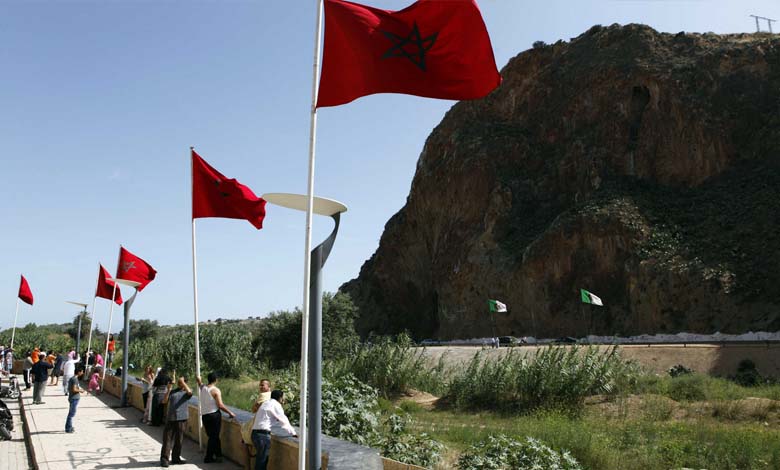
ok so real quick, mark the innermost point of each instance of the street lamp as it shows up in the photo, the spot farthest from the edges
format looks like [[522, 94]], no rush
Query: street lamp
[[319, 255], [126, 341], [81, 315]]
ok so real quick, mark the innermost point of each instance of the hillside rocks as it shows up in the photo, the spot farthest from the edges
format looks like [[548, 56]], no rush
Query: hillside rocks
[[640, 166]]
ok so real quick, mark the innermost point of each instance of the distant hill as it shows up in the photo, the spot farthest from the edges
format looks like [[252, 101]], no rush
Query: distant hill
[[638, 165]]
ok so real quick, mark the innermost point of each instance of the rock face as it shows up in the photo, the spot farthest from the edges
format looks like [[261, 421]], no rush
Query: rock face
[[640, 166]]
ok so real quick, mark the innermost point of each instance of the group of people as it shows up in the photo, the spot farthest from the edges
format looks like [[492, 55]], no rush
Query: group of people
[[158, 391]]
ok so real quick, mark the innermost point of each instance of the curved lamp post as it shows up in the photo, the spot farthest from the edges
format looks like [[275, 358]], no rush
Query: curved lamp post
[[81, 315], [319, 256], [126, 341]]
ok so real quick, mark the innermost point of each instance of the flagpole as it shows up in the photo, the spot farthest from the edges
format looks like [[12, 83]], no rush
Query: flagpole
[[16, 315], [307, 252], [92, 320], [108, 335], [195, 302]]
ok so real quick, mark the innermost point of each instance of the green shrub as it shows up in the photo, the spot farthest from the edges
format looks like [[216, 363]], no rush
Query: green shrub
[[747, 374], [391, 365], [690, 387], [679, 370], [503, 453], [552, 378], [397, 443], [224, 349]]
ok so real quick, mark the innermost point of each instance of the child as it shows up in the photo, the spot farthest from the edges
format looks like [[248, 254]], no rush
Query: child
[[94, 381]]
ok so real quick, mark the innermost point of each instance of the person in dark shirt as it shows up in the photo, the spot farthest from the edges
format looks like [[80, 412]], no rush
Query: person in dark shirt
[[74, 395], [40, 373], [57, 371], [159, 389], [175, 423]]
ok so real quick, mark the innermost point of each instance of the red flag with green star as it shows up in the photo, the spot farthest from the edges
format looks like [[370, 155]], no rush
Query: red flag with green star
[[214, 195], [433, 48], [133, 268]]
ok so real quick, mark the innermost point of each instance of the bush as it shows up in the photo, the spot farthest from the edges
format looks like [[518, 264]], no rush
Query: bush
[[225, 350], [398, 444], [349, 407], [747, 374], [503, 453], [391, 365], [679, 370], [553, 378], [691, 387]]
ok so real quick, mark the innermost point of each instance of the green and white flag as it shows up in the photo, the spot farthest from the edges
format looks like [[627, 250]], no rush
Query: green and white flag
[[589, 298], [496, 306]]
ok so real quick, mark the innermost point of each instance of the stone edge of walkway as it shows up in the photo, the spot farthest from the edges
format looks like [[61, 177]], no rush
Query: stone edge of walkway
[[27, 436]]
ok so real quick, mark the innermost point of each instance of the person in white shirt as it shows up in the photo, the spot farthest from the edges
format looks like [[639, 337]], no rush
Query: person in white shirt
[[69, 370], [270, 419]]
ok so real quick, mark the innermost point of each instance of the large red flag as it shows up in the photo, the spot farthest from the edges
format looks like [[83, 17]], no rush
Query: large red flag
[[433, 48], [214, 195], [133, 268], [24, 292], [105, 287]]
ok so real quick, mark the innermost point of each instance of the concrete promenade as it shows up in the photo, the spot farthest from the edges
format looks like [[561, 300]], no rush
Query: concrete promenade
[[13, 453], [105, 436]]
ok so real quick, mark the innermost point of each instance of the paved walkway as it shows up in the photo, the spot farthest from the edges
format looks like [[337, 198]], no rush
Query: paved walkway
[[15, 450], [106, 437]]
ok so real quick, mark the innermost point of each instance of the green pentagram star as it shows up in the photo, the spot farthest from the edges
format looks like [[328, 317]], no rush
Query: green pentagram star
[[419, 45]]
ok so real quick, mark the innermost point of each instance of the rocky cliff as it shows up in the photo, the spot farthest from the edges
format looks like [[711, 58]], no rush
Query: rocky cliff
[[640, 166]]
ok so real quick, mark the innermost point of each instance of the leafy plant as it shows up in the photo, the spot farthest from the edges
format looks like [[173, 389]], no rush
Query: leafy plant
[[397, 443], [503, 453], [679, 370]]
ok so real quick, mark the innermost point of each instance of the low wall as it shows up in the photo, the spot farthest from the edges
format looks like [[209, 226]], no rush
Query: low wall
[[284, 450]]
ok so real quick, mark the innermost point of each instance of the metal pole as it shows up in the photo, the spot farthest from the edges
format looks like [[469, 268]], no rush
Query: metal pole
[[195, 304], [108, 335], [307, 248], [16, 315], [91, 327], [126, 347], [315, 361], [78, 333]]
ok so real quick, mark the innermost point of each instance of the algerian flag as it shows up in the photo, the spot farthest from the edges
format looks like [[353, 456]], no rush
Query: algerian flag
[[496, 306], [589, 298]]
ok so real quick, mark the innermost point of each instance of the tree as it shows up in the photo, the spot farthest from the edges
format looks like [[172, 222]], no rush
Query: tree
[[73, 328], [141, 330]]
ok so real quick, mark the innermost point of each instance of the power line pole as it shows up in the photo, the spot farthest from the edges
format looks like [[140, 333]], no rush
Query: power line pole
[[769, 22]]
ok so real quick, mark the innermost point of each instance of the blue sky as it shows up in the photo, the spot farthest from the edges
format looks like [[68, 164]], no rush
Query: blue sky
[[102, 99]]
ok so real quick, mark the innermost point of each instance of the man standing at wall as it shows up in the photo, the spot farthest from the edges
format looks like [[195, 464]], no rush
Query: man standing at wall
[[176, 422], [210, 405], [40, 373]]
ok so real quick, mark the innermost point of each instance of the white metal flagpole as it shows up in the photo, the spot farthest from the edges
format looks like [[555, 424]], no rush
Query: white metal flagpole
[[302, 447], [108, 335], [16, 315], [92, 318], [195, 302]]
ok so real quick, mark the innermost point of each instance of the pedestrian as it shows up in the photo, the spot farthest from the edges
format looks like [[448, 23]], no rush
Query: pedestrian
[[69, 370], [160, 388], [210, 398], [9, 359], [270, 419], [40, 373], [175, 423], [263, 395], [111, 350], [99, 360], [94, 381], [146, 383], [57, 370], [28, 363], [74, 395], [35, 353]]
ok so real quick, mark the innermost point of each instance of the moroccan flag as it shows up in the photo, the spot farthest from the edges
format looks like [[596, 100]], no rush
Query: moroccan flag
[[590, 298], [433, 48], [105, 287], [214, 195], [133, 268], [496, 306], [24, 292]]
